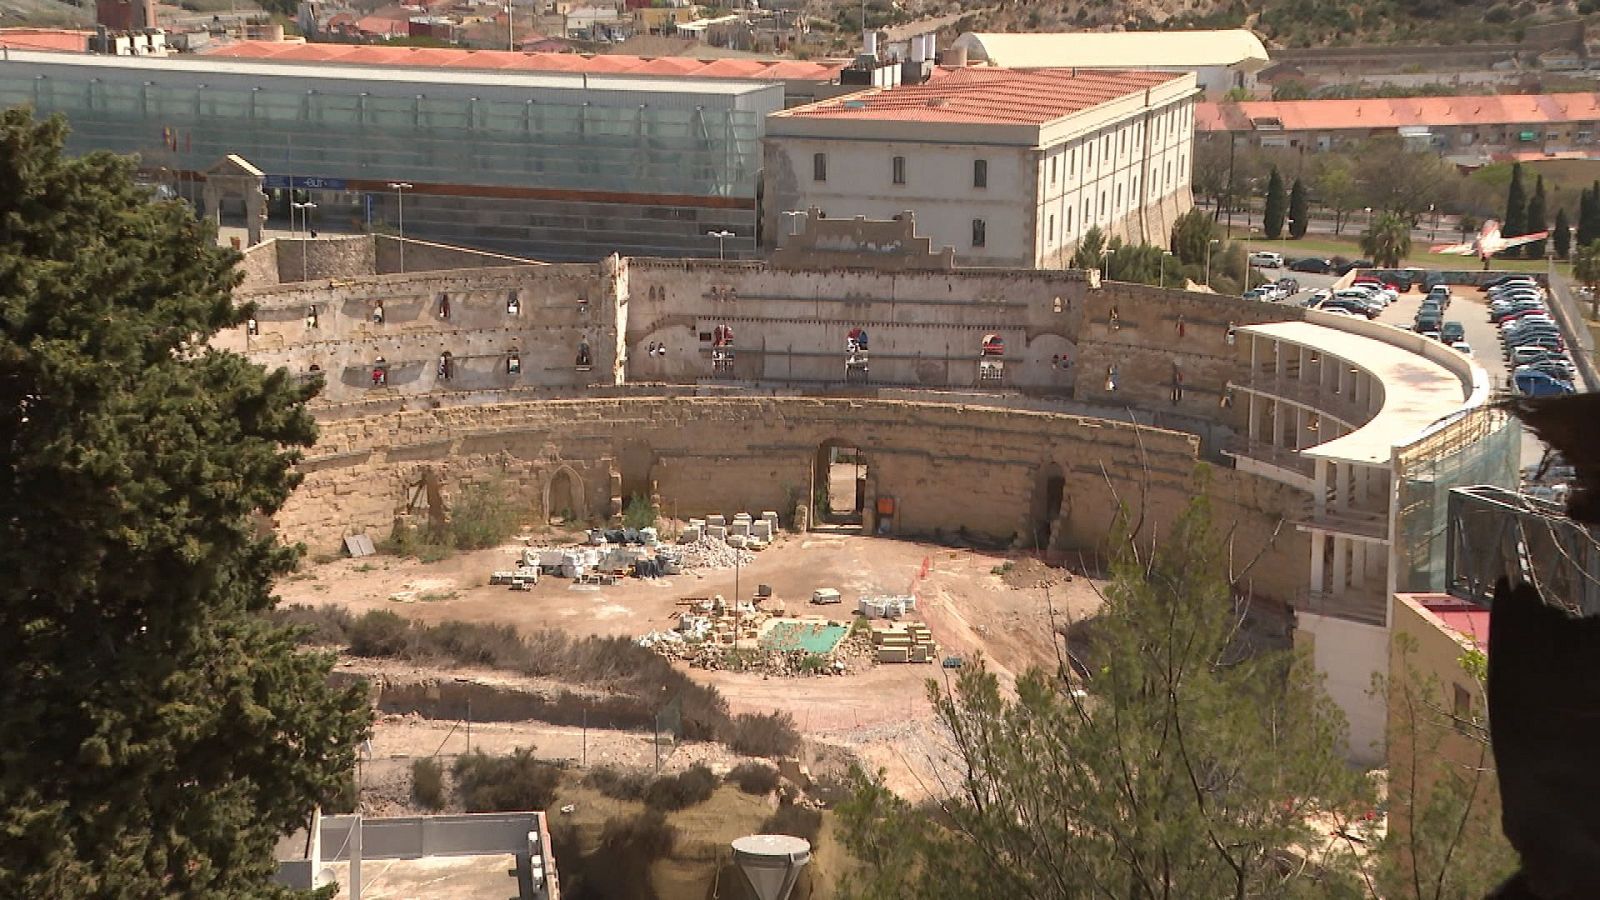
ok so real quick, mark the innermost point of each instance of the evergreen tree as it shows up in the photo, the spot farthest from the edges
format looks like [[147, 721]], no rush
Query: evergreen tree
[[1272, 217], [1299, 210], [1515, 221], [1562, 235], [1162, 761], [1589, 218], [1387, 240], [1092, 250], [1537, 219], [161, 733], [1192, 235]]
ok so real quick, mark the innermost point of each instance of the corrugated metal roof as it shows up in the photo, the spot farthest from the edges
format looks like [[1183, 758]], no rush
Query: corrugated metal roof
[[505, 60], [1117, 50], [1337, 115], [994, 96]]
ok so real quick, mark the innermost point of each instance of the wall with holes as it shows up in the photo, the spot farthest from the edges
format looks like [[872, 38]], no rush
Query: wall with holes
[[439, 333]]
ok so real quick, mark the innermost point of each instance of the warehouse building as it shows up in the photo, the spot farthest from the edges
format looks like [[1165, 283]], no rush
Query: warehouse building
[[566, 166], [1220, 60], [1008, 167]]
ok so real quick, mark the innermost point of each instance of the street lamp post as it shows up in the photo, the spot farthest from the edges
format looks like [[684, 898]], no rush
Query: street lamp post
[[1209, 244], [791, 215], [1368, 211], [1433, 228], [305, 219], [722, 237], [400, 188], [1163, 265]]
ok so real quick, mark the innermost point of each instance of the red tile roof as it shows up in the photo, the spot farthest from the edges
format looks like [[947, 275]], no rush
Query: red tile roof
[[1337, 115], [454, 58], [45, 39], [1467, 619], [987, 95]]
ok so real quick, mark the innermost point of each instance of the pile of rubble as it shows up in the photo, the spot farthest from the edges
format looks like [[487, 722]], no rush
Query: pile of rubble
[[711, 553]]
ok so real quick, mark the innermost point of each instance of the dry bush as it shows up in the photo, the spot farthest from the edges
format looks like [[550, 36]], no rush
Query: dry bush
[[754, 734], [618, 784], [427, 784], [691, 787], [755, 778], [321, 626], [380, 633], [796, 821], [505, 783]]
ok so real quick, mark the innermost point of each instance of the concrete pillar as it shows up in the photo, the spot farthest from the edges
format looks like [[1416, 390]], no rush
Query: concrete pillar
[[1319, 494], [1279, 360], [1358, 564], [1250, 426], [1277, 423], [1341, 488], [1319, 547], [1341, 564]]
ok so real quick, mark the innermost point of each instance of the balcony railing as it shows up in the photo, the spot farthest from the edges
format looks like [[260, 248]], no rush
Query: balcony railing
[[1363, 605]]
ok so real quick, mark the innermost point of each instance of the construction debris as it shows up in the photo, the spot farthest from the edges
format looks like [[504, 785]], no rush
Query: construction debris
[[904, 642]]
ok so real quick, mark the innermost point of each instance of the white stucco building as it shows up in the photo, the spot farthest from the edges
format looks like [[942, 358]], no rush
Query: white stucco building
[[1009, 168], [1220, 60]]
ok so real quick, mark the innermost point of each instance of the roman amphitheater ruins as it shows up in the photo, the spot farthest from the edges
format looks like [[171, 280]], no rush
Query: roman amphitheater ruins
[[1020, 405]]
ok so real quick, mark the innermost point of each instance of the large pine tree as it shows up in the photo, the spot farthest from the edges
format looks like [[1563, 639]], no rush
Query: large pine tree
[[1277, 205], [1537, 219], [1515, 221], [1299, 210], [159, 733], [1561, 235]]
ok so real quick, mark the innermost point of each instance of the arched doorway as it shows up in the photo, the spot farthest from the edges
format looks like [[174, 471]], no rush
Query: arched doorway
[[839, 484], [563, 497], [635, 459], [1049, 491]]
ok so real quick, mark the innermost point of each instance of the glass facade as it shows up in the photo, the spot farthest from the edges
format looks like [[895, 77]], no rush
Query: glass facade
[[1481, 446], [641, 149]]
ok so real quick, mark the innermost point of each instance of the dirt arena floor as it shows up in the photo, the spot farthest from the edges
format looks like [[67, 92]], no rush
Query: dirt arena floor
[[976, 603]]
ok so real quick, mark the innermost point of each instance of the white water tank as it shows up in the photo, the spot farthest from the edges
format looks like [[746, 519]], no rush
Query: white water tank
[[919, 49], [869, 43], [771, 863]]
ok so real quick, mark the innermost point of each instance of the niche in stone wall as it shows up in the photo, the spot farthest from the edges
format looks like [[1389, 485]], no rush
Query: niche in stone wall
[[564, 497]]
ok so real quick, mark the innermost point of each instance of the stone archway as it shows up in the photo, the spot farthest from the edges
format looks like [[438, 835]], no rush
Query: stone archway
[[235, 175], [564, 496]]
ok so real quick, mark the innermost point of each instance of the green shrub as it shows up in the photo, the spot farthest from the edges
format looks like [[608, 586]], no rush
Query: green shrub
[[380, 633], [427, 784], [505, 783], [639, 513], [690, 787], [796, 821], [646, 835], [321, 626], [484, 515], [753, 734], [617, 784], [754, 778]]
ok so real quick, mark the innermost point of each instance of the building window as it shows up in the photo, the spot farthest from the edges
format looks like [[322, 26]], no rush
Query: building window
[[1089, 155], [980, 173], [899, 170], [1050, 231], [819, 167], [1168, 183], [1133, 192], [1102, 204], [1072, 161], [1117, 205], [1066, 226], [979, 233], [1052, 170]]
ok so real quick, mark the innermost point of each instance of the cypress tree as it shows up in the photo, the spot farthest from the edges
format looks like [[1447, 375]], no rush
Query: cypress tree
[[1277, 206], [1537, 219], [1562, 238], [1589, 218], [1515, 221], [1299, 210]]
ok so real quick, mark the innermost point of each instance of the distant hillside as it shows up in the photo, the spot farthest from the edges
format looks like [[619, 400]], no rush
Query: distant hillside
[[1282, 23]]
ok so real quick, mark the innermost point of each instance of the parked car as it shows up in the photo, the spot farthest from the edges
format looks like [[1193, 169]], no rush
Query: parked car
[[1429, 307], [1452, 332], [1440, 293], [1344, 269], [1311, 264], [1516, 312], [1255, 293], [1433, 335], [1507, 279], [1317, 296], [1426, 324], [1266, 259], [1533, 383], [1288, 286], [1561, 371], [1525, 355], [1463, 346], [1353, 307]]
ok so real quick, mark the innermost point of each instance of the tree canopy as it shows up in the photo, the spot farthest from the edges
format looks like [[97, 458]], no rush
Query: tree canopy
[[1387, 240], [1537, 219], [1165, 760], [160, 734], [1276, 207], [1299, 210], [1515, 221], [1561, 235]]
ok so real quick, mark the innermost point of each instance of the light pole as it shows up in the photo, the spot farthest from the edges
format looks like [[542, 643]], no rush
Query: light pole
[[400, 188], [305, 218], [1433, 229], [1163, 264], [722, 237], [792, 215], [1209, 244], [1368, 211]]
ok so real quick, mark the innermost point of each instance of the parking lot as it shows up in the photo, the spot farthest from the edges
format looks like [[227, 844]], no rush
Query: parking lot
[[1468, 306]]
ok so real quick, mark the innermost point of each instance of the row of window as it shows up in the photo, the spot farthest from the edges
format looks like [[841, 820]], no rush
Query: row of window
[[1173, 118], [897, 170]]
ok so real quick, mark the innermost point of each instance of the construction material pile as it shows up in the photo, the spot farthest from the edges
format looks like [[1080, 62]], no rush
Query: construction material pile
[[711, 553]]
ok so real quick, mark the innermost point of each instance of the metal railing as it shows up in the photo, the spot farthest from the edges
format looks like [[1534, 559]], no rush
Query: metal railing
[[1357, 605]]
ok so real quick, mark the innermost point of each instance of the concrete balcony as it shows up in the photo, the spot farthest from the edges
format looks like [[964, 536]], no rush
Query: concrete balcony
[[1341, 406], [1290, 465], [1363, 524]]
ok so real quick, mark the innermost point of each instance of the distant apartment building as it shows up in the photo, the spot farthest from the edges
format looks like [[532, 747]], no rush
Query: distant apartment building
[[1452, 126], [1220, 60], [1009, 167]]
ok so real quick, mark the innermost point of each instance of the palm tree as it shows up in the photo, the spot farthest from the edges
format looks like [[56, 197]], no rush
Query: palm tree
[[1387, 240]]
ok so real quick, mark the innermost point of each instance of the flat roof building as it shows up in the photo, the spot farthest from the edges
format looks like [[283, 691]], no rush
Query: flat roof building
[[1220, 60], [1008, 167], [548, 164]]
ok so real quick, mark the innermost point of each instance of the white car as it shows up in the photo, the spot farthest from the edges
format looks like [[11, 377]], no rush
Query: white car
[[1266, 259], [1462, 346], [1431, 335]]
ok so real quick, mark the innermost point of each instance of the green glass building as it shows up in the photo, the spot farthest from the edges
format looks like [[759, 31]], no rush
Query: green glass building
[[554, 166]]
